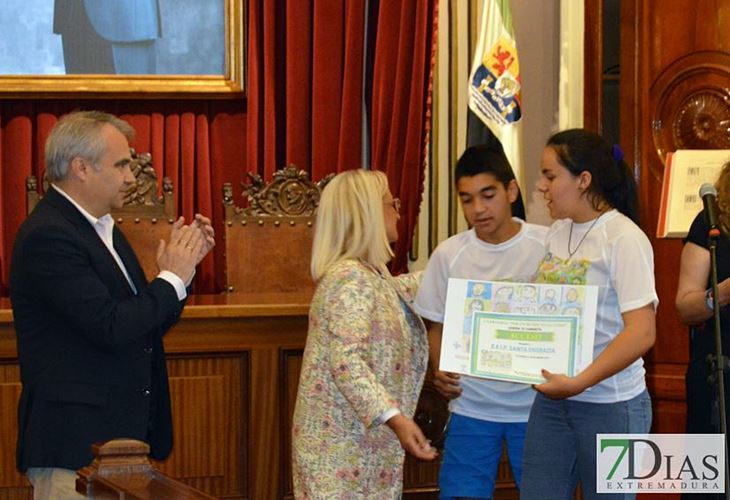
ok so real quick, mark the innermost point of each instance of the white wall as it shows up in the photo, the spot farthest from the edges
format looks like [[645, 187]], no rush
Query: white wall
[[537, 30]]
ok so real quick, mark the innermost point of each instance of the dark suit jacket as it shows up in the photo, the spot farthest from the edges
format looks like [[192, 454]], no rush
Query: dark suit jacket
[[91, 357]]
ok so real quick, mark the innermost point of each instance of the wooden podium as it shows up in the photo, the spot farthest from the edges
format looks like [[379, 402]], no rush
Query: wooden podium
[[121, 469]]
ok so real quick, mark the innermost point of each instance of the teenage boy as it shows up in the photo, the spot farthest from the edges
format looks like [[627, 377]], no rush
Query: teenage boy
[[484, 413]]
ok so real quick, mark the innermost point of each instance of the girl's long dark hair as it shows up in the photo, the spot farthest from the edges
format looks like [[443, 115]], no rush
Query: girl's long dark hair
[[580, 150]]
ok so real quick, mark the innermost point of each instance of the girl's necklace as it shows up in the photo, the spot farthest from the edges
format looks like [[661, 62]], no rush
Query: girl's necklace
[[570, 236]]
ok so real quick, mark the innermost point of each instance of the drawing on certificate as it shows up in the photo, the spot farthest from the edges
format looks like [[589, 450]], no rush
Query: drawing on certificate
[[510, 331]]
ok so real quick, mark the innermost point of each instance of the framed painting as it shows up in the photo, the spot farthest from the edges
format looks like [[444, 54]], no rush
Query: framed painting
[[122, 48]]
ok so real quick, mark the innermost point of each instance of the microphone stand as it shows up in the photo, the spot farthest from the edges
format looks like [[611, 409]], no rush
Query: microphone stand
[[718, 364]]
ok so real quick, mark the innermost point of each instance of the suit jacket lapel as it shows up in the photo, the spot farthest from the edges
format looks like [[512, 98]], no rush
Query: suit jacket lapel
[[97, 247], [129, 259]]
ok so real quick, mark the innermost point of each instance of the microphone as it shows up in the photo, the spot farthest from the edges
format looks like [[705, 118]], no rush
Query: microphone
[[708, 193]]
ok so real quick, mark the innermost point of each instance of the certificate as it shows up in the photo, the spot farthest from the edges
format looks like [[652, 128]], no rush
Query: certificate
[[684, 172], [510, 331]]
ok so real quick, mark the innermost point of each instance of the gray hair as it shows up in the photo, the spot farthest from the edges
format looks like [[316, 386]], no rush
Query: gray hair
[[78, 134]]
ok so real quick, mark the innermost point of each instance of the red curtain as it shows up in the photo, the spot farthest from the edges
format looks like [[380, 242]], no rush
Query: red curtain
[[305, 85], [402, 74], [198, 144], [306, 93]]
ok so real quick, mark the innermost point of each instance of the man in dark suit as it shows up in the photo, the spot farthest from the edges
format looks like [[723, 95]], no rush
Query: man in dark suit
[[89, 325]]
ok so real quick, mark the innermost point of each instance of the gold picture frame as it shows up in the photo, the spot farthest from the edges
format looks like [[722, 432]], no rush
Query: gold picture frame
[[229, 84]]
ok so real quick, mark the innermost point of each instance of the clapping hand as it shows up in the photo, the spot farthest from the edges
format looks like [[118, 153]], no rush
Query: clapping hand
[[181, 254], [203, 223]]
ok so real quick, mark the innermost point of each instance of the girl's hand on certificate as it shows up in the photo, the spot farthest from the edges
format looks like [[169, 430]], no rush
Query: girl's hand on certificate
[[559, 386]]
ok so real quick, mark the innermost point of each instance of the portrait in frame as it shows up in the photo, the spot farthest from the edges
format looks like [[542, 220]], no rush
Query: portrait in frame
[[122, 48]]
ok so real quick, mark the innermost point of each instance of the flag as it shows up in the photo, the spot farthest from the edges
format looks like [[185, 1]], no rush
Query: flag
[[495, 101]]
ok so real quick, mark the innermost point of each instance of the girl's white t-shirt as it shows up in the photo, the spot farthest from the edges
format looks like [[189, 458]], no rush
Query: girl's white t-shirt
[[615, 255]]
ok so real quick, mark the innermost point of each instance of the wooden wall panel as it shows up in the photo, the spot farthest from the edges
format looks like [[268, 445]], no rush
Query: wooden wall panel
[[13, 486], [234, 372], [9, 394], [291, 364], [593, 66], [16, 493], [225, 380], [202, 400], [208, 405], [266, 434], [420, 478]]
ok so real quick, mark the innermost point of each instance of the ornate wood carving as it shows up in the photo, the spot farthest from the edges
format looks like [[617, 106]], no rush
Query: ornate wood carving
[[144, 191], [703, 121], [290, 193], [116, 456], [691, 104], [140, 200], [279, 218], [31, 183]]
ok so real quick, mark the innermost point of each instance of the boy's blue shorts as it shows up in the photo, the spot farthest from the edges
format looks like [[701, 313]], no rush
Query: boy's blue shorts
[[471, 454]]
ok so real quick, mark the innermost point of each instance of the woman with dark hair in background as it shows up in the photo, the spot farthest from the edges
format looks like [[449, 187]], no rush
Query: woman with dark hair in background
[[695, 303]]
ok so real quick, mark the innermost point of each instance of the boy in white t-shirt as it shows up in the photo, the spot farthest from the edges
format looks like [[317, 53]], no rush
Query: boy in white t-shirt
[[485, 413]]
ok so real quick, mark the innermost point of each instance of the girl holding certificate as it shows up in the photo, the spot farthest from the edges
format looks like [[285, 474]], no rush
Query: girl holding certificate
[[595, 240]]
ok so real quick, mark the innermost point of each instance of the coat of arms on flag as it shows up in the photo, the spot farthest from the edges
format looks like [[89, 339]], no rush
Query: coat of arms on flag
[[495, 84]]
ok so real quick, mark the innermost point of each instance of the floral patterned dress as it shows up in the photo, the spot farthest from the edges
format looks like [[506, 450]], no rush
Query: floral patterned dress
[[366, 352]]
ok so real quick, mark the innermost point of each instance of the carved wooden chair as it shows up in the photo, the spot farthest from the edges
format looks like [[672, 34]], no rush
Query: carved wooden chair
[[268, 244], [144, 219]]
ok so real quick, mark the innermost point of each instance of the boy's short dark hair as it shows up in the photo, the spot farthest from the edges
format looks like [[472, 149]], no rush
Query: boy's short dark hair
[[484, 159], [489, 159]]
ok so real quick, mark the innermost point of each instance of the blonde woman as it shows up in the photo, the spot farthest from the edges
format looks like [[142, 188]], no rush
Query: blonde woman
[[366, 351]]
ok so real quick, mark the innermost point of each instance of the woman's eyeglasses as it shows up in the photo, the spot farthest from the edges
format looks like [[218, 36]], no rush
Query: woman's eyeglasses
[[395, 204]]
